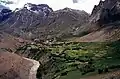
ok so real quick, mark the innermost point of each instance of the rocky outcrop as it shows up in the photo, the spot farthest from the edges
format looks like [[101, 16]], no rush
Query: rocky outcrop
[[106, 12], [42, 9], [13, 66]]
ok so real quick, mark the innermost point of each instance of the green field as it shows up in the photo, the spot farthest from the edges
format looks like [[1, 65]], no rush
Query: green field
[[74, 60]]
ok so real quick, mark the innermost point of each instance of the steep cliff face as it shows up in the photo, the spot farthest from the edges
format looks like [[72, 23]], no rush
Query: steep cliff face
[[106, 12], [95, 15]]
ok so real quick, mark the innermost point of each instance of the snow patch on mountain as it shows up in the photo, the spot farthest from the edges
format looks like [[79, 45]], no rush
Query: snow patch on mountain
[[39, 9]]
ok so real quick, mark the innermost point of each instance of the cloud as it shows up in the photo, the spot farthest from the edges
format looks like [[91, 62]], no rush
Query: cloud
[[86, 5]]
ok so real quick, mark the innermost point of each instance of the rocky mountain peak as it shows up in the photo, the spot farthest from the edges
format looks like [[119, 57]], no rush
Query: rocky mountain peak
[[40, 8]]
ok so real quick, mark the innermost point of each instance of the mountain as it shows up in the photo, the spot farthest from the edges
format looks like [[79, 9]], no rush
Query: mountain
[[40, 21], [26, 32], [103, 23], [18, 27], [106, 12], [5, 13], [3, 7]]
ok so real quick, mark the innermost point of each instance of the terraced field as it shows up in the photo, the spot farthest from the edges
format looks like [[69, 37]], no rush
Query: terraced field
[[70, 60]]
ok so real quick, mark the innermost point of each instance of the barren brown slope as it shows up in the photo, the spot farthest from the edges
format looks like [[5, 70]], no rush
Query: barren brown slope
[[13, 66], [8, 41], [107, 34]]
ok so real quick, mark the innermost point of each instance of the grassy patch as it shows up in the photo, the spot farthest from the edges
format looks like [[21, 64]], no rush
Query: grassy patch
[[66, 60]]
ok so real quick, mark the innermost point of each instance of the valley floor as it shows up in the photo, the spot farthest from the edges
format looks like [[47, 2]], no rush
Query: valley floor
[[68, 60], [110, 75]]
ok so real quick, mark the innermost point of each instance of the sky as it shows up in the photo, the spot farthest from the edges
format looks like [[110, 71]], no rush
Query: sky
[[86, 5]]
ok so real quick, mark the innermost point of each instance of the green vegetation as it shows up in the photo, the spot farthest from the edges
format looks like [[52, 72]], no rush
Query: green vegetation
[[73, 60]]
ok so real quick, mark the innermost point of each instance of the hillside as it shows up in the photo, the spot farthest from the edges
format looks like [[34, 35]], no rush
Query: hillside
[[13, 66], [103, 23]]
